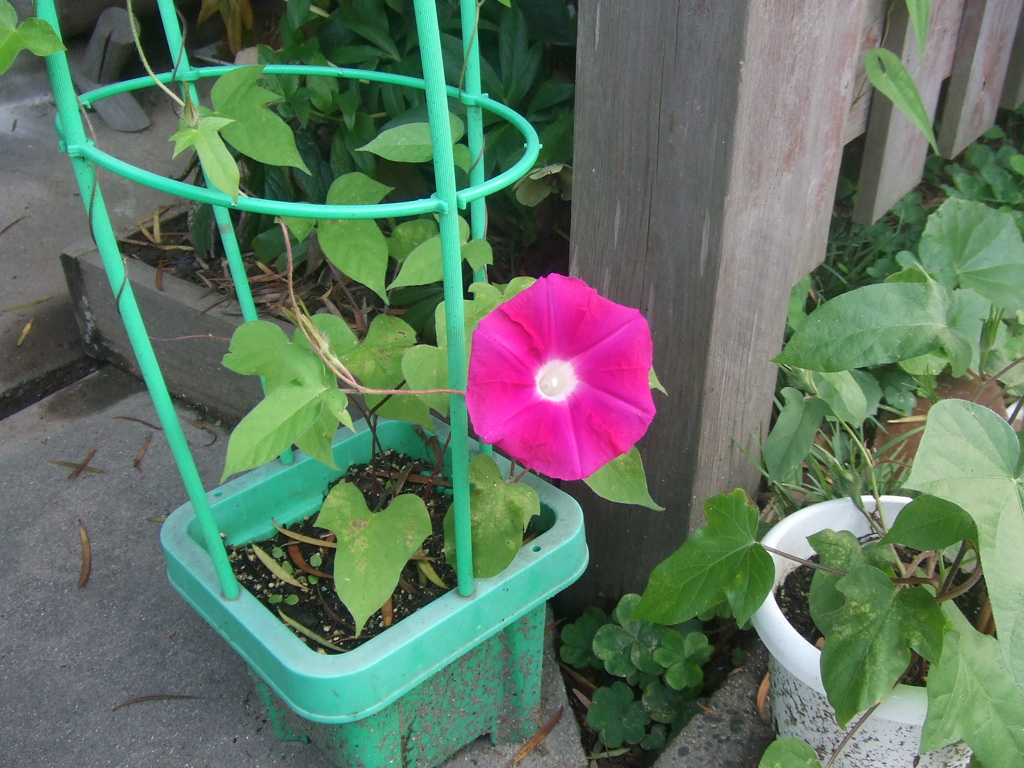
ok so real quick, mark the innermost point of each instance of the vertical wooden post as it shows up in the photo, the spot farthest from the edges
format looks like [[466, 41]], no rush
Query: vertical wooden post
[[708, 139]]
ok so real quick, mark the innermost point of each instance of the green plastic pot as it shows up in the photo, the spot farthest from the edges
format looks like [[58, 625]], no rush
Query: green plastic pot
[[369, 697]]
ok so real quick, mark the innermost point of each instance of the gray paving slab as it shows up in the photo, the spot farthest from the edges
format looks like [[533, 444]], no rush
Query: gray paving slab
[[41, 214], [69, 656]]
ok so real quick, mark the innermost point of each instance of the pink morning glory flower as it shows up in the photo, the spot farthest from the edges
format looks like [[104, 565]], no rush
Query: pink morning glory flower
[[558, 378]]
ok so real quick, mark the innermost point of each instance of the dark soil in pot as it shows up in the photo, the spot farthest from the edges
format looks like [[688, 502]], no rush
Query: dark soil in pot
[[314, 606], [793, 597]]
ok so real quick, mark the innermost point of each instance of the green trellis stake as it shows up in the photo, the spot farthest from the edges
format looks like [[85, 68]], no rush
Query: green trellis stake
[[445, 204]]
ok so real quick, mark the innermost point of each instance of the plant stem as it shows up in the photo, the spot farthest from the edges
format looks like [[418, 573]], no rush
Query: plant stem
[[849, 734], [874, 520], [808, 563]]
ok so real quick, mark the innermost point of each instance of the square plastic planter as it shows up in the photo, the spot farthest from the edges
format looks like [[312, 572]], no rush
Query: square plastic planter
[[456, 669]]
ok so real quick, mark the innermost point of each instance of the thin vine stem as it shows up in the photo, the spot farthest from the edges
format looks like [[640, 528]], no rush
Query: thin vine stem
[[849, 734], [317, 341], [145, 62], [808, 563]]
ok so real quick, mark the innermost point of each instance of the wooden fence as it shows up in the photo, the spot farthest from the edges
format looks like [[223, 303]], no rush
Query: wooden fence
[[977, 46], [708, 143]]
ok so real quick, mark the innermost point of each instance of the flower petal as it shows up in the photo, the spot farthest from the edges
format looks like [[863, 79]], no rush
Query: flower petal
[[609, 346]]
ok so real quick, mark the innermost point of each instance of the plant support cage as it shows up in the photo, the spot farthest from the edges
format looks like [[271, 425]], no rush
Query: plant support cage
[[445, 204]]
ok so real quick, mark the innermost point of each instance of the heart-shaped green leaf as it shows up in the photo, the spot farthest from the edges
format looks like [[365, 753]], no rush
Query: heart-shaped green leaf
[[616, 716], [966, 244], [971, 697], [372, 547], [273, 425], [971, 457], [789, 753], [500, 513], [426, 367], [878, 324], [929, 522]]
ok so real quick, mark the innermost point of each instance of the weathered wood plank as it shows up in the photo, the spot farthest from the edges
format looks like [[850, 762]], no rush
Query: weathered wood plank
[[894, 148], [870, 38], [707, 149], [1013, 88], [979, 70]]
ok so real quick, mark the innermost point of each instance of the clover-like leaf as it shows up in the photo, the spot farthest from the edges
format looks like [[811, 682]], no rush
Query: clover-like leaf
[[682, 656], [971, 697], [612, 645], [256, 131], [971, 457], [663, 703], [869, 646], [721, 561], [372, 547], [624, 481], [499, 512], [617, 717], [577, 647]]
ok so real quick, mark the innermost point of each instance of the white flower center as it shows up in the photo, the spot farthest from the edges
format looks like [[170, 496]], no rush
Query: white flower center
[[556, 380]]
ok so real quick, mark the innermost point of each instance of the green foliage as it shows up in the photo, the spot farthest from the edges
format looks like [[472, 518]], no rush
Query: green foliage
[[969, 245], [203, 135], [972, 458], [578, 638], [500, 513], [971, 697], [255, 131], [721, 561], [33, 35], [887, 74], [373, 547], [878, 324], [623, 480], [661, 664], [789, 753], [617, 717], [868, 646]]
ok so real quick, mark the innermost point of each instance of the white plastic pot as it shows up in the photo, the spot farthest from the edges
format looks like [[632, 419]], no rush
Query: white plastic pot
[[891, 737]]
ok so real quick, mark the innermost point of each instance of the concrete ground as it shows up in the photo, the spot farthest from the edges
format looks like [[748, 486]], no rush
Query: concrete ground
[[70, 656]]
